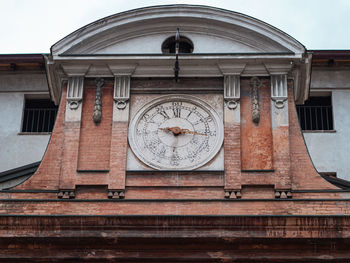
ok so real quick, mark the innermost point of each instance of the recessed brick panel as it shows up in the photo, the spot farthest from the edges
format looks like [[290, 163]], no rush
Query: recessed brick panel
[[256, 139], [95, 139]]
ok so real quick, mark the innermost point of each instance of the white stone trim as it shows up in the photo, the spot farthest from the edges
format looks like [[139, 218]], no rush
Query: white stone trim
[[121, 94], [100, 33], [75, 90], [279, 101], [279, 90], [232, 89], [231, 68], [199, 103], [75, 69]]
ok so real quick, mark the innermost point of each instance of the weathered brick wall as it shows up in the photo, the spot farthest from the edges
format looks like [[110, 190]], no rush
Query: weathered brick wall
[[48, 173], [256, 139], [73, 145], [95, 139], [303, 173], [160, 238], [176, 207]]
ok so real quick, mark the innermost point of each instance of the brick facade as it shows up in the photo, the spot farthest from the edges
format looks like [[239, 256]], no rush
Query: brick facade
[[266, 203], [93, 162]]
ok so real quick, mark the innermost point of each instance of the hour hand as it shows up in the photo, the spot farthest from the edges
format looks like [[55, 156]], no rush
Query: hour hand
[[175, 130], [187, 131], [164, 129]]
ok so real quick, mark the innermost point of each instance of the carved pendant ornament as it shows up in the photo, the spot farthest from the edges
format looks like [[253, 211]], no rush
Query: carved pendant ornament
[[255, 84], [97, 114]]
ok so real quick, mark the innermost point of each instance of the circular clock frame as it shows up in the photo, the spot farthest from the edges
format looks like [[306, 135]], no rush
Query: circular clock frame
[[150, 161]]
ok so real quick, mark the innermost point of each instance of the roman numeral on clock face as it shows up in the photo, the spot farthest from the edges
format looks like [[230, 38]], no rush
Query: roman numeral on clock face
[[177, 112], [162, 112], [177, 109]]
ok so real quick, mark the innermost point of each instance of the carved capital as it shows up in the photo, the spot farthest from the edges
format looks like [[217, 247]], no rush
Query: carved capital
[[73, 70], [75, 91], [279, 90], [232, 91], [278, 68], [121, 94], [231, 68], [74, 103], [231, 104]]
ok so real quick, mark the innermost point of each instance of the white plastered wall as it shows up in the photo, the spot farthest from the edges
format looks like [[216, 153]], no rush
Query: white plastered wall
[[16, 149], [330, 151]]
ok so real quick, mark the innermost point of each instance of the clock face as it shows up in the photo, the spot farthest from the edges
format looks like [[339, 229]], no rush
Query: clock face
[[176, 133]]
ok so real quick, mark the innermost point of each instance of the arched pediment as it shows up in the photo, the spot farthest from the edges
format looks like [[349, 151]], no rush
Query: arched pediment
[[212, 30]]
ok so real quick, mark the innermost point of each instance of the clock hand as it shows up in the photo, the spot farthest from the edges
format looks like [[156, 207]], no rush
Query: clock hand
[[192, 132], [164, 129], [175, 130]]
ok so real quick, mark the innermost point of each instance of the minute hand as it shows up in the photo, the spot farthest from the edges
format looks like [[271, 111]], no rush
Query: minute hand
[[192, 132]]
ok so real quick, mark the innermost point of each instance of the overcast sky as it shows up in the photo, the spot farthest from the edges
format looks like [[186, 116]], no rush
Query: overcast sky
[[33, 26]]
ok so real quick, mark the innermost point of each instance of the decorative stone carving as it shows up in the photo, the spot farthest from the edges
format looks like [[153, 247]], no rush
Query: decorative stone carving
[[255, 84], [279, 90], [283, 194], [97, 114], [121, 91], [116, 194], [75, 91], [232, 91], [233, 194], [66, 194]]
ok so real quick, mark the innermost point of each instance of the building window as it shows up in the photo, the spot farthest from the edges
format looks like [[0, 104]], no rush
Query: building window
[[316, 113], [185, 45], [39, 115]]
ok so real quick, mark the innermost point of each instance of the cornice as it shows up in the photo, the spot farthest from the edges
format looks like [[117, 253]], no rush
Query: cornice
[[129, 21], [190, 66]]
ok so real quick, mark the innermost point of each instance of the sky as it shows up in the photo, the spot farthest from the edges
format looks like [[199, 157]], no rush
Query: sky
[[33, 26]]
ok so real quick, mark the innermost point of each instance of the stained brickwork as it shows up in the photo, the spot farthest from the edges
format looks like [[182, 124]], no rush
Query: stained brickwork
[[259, 200], [304, 174], [48, 174], [191, 192], [82, 203], [256, 139], [232, 144], [95, 139]]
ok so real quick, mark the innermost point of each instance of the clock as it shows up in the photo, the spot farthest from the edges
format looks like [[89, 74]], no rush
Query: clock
[[176, 132]]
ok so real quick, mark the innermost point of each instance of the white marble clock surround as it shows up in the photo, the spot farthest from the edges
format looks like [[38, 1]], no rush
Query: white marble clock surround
[[215, 101]]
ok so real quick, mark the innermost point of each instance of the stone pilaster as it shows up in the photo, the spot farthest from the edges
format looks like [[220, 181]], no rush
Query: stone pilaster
[[119, 137], [280, 131], [72, 124], [232, 141]]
